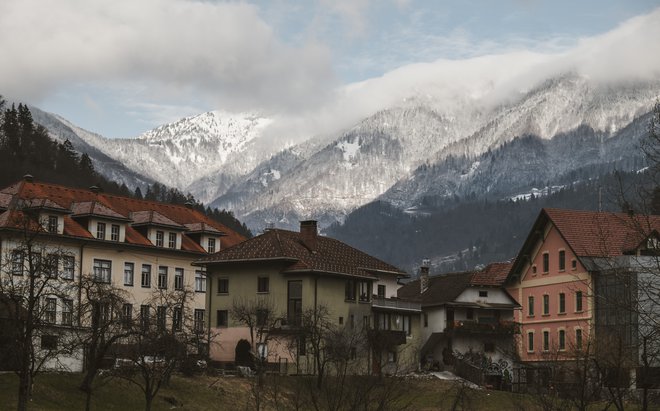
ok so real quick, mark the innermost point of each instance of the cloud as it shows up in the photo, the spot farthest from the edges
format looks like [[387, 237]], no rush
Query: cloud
[[626, 54], [224, 52]]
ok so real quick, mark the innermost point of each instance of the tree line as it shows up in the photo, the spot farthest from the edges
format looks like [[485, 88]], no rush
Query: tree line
[[26, 148]]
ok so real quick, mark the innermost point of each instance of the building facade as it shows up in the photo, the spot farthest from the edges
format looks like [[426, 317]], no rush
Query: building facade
[[141, 247], [294, 278]]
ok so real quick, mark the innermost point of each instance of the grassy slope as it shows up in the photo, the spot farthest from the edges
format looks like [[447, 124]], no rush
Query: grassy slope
[[60, 391]]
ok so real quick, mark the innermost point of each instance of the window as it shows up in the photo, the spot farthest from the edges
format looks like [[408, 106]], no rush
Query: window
[[391, 356], [262, 317], [145, 316], [127, 315], [534, 269], [383, 321], [222, 318], [530, 306], [546, 304], [349, 292], [406, 325], [102, 270], [178, 278], [177, 317], [223, 286], [171, 243], [381, 290], [578, 339], [162, 277], [426, 319], [49, 342], [262, 284], [573, 264], [562, 340], [146, 276], [51, 310], [114, 232], [294, 302], [68, 264], [52, 265], [562, 260], [200, 281], [341, 320], [469, 314], [161, 317], [160, 237], [129, 270], [262, 350], [100, 231], [530, 341], [365, 291], [211, 245], [52, 224], [578, 301], [199, 320], [17, 262], [546, 340], [489, 347], [351, 321], [302, 345], [67, 312], [546, 262], [483, 293], [365, 322], [102, 314], [562, 303]]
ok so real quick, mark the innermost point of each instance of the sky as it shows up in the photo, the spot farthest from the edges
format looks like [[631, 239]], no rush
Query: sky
[[122, 67]]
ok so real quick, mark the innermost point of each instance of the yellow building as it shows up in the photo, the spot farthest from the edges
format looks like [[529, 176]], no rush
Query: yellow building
[[287, 280], [139, 246]]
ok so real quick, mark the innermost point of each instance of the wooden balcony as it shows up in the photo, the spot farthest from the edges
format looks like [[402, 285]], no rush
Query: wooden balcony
[[395, 304]]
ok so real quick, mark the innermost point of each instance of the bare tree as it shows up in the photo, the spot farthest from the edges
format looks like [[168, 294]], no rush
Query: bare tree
[[149, 356], [30, 292], [260, 317], [107, 319]]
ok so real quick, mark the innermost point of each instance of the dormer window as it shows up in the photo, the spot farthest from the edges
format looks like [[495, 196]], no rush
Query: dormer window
[[172, 240], [483, 293], [211, 245], [52, 224], [114, 232], [160, 237], [100, 231]]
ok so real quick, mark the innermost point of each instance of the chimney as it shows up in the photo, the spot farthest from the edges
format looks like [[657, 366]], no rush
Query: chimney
[[308, 233], [189, 204], [28, 178], [424, 276], [94, 189]]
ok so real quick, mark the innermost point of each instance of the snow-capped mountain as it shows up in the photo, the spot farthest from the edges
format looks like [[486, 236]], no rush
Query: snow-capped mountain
[[423, 146]]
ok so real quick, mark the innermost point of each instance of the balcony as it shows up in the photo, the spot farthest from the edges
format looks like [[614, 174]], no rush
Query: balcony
[[386, 338], [395, 304], [482, 327]]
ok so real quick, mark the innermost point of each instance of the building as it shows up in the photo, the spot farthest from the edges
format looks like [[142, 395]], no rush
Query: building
[[286, 275], [466, 315], [139, 246], [584, 277]]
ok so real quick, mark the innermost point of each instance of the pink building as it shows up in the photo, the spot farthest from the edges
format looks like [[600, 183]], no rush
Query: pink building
[[559, 279]]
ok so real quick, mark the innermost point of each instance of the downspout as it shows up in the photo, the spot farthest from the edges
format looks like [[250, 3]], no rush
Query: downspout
[[82, 246], [209, 288]]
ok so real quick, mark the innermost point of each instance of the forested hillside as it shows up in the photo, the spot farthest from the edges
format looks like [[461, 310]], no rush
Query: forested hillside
[[462, 233], [26, 148]]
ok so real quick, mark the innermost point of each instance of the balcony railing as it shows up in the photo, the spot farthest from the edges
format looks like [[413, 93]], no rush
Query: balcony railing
[[482, 327], [395, 303]]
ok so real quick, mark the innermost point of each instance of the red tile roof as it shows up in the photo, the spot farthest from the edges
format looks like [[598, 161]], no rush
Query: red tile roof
[[590, 233], [441, 289], [86, 202], [152, 217], [329, 256], [600, 234], [494, 274]]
